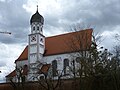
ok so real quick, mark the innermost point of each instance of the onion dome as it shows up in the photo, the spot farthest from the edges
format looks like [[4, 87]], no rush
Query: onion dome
[[37, 18]]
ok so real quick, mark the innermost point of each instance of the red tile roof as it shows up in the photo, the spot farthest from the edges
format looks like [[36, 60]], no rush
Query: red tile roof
[[45, 68], [13, 73], [24, 54], [62, 43]]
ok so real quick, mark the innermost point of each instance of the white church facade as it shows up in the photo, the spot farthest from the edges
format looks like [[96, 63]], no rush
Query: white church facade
[[49, 54]]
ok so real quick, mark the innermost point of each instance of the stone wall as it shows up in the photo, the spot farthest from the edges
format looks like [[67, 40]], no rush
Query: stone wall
[[65, 85]]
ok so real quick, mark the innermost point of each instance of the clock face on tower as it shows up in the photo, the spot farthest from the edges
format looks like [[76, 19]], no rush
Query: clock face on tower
[[33, 38]]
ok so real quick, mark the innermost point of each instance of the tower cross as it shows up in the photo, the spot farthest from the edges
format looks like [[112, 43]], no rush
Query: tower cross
[[37, 7]]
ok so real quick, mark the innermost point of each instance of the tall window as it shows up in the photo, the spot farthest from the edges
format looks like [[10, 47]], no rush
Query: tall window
[[66, 66], [38, 28], [41, 29], [54, 68]]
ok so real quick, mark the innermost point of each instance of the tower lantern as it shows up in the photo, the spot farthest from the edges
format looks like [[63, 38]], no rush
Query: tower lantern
[[36, 22]]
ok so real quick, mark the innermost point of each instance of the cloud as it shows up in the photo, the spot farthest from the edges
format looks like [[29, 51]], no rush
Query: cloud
[[104, 15], [58, 14], [15, 19], [8, 55]]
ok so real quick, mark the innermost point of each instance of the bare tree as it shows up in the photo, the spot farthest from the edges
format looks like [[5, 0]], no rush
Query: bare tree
[[46, 80], [95, 62], [80, 42], [20, 77]]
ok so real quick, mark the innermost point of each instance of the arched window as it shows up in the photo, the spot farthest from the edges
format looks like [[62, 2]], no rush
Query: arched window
[[41, 77], [78, 59], [54, 68], [66, 66], [34, 28]]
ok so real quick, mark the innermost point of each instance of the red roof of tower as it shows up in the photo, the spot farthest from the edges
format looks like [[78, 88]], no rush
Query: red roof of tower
[[45, 68]]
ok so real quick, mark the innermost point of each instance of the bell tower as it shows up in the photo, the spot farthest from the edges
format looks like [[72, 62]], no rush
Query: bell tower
[[36, 46]]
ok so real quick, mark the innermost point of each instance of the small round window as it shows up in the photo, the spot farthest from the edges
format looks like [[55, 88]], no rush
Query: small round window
[[41, 40]]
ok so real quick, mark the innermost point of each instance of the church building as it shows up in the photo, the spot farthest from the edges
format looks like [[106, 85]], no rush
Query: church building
[[49, 55]]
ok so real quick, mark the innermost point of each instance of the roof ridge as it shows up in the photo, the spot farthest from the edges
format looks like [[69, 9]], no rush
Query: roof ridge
[[68, 33]]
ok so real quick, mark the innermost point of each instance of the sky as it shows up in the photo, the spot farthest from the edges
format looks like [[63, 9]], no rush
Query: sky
[[60, 16]]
